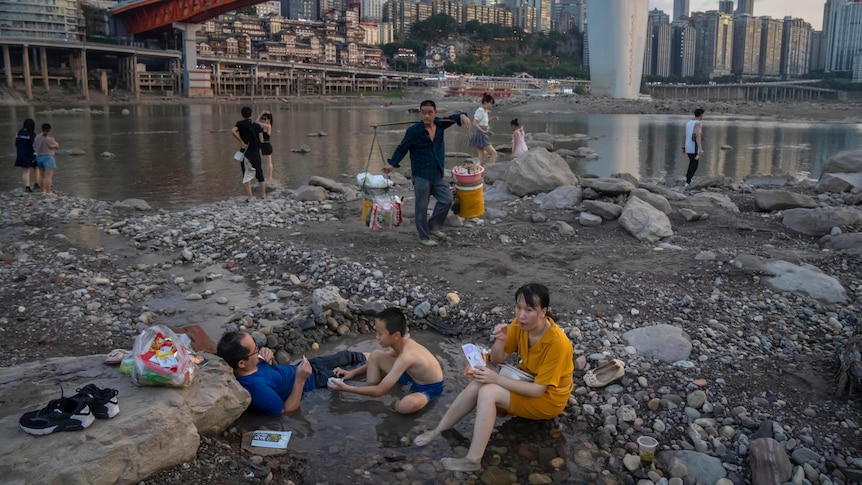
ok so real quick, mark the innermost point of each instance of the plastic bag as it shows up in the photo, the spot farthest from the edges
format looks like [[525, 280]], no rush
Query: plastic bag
[[385, 213], [366, 179], [160, 359], [249, 173]]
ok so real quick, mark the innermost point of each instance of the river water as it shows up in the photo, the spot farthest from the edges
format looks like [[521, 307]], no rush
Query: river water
[[176, 156]]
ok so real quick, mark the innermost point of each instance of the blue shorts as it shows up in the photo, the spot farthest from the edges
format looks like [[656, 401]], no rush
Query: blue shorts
[[46, 162], [430, 390]]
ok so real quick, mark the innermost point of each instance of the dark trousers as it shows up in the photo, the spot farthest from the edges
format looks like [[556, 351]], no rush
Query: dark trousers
[[692, 165], [321, 367]]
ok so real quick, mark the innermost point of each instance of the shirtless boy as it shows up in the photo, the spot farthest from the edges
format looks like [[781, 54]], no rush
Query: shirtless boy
[[404, 362]]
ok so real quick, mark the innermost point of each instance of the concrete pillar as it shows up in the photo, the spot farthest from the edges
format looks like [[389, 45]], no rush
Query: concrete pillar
[[43, 60], [134, 76], [28, 82], [190, 53], [7, 66], [85, 84], [103, 82], [617, 36]]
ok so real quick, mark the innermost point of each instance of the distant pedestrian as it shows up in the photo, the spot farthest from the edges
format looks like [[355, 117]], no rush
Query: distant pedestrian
[[265, 122], [250, 136], [44, 146], [25, 158], [424, 141], [693, 146], [481, 140], [519, 145]]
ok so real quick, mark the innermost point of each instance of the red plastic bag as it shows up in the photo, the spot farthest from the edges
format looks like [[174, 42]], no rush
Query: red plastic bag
[[385, 213]]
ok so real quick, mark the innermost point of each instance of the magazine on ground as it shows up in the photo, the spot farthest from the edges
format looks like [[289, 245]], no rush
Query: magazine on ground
[[270, 439]]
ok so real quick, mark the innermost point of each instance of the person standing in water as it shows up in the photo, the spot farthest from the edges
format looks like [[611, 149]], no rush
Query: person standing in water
[[265, 122], [44, 146], [693, 146], [25, 158]]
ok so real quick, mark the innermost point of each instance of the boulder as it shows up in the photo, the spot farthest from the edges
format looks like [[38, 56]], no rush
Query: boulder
[[709, 181], [606, 210], [774, 200], [848, 161], [652, 199], [802, 279], [494, 172], [768, 180], [133, 204], [626, 176], [157, 427], [327, 183], [566, 197], [610, 186], [842, 242], [310, 193], [570, 142], [538, 171], [701, 467], [818, 222], [327, 298], [838, 182], [769, 462], [661, 342], [663, 191], [585, 152], [644, 221], [589, 220], [722, 200]]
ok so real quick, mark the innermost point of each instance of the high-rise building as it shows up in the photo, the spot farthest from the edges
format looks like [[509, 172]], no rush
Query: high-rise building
[[543, 14], [795, 48], [725, 6], [370, 10], [680, 9], [714, 43], [746, 45], [770, 46], [657, 49], [683, 44], [817, 58], [44, 19], [745, 7], [843, 35]]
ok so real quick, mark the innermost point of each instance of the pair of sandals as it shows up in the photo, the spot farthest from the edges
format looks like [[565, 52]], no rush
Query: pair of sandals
[[604, 374]]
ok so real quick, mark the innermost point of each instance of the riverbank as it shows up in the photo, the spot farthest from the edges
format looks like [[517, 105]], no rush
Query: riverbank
[[82, 277]]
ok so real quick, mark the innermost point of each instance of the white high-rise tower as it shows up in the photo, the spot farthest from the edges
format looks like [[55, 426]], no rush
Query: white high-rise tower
[[617, 35]]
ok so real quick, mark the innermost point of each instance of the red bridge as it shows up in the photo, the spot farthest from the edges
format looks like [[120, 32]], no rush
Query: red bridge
[[154, 15]]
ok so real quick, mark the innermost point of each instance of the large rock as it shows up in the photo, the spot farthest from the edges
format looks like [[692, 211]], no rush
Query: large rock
[[722, 200], [494, 172], [606, 210], [327, 298], [709, 181], [661, 342], [310, 193], [134, 204], [327, 183], [538, 171], [652, 199], [566, 197], [157, 428], [769, 462], [848, 161], [702, 468], [803, 279], [663, 191], [776, 200], [838, 182], [612, 186], [817, 222], [644, 221], [842, 242]]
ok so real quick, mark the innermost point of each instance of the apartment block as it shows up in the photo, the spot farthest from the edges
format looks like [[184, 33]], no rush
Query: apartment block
[[746, 45], [795, 48], [714, 32], [657, 48], [725, 6], [817, 56], [683, 44], [680, 9], [41, 19], [843, 35], [770, 46], [745, 7]]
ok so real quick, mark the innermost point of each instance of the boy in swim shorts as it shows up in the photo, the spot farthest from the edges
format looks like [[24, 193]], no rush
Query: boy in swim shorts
[[402, 361]]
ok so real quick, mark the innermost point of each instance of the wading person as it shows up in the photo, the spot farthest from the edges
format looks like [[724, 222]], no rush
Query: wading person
[[250, 136], [44, 146], [25, 156], [545, 353], [424, 141], [265, 122], [693, 146]]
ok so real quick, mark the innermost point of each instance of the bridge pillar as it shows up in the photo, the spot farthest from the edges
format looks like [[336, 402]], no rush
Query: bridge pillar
[[7, 66], [617, 38], [28, 82], [82, 74], [190, 53], [43, 61]]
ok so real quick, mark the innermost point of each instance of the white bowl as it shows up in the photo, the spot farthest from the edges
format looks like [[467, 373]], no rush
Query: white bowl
[[513, 372]]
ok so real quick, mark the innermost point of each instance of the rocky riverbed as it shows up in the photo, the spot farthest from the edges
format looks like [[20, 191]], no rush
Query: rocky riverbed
[[84, 276]]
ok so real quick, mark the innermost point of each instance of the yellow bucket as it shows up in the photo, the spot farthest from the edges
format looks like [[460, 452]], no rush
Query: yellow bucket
[[472, 201], [367, 204]]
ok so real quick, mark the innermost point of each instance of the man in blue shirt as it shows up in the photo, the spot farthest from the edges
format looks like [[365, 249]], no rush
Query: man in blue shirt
[[277, 389], [424, 141]]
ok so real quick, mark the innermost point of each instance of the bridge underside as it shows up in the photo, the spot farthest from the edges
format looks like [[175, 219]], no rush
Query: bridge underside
[[156, 15]]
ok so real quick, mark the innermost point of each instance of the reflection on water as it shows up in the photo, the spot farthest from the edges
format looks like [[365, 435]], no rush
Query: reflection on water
[[179, 155]]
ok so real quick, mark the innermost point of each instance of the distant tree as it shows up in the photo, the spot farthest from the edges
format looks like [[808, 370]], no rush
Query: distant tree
[[436, 28]]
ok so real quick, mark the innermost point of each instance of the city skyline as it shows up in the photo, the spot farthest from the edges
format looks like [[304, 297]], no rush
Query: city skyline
[[808, 10]]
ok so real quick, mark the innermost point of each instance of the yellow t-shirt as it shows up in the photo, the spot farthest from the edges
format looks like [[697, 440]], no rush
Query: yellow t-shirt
[[549, 360]]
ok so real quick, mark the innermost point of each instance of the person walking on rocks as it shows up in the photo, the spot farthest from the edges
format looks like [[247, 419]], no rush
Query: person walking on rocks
[[44, 146], [545, 352], [278, 389], [519, 145], [693, 146], [481, 140], [250, 136], [25, 158], [424, 141]]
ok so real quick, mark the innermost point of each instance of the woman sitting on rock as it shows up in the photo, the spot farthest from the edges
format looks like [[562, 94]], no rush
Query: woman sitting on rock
[[545, 352]]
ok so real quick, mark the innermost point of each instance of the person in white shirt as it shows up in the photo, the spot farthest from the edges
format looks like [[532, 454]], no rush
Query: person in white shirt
[[480, 139], [693, 146]]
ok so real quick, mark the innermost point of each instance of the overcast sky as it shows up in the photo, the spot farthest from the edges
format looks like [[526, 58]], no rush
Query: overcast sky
[[810, 10]]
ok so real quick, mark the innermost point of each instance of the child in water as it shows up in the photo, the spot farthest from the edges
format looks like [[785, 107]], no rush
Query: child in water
[[519, 146]]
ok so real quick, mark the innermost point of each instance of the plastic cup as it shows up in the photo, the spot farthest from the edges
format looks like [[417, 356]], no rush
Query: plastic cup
[[646, 448]]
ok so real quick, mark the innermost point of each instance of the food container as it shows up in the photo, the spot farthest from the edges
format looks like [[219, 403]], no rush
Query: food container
[[513, 372]]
